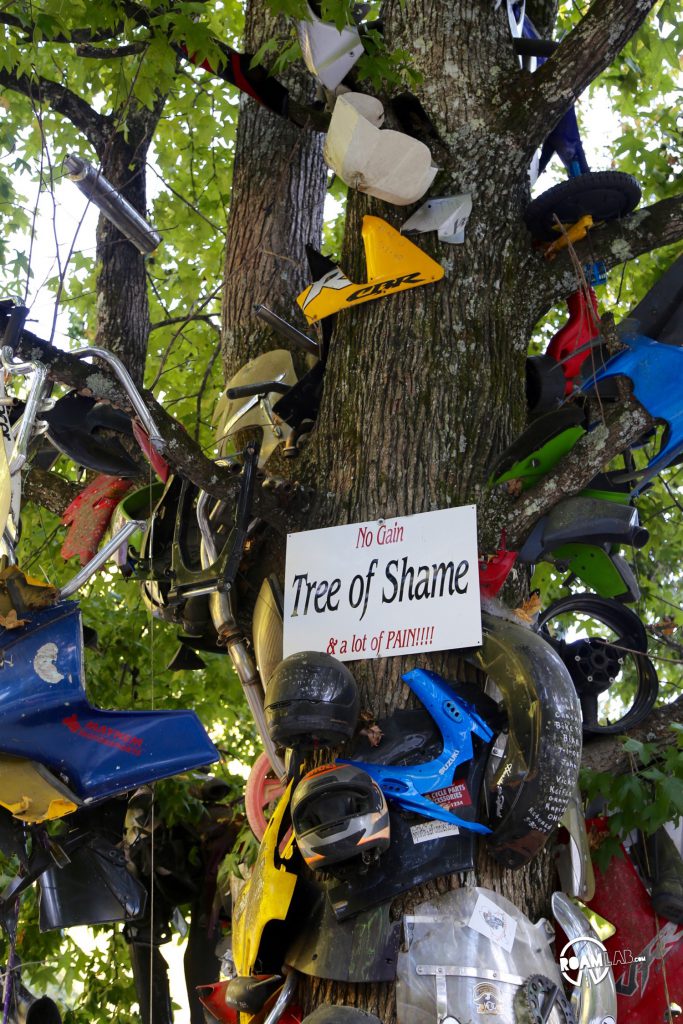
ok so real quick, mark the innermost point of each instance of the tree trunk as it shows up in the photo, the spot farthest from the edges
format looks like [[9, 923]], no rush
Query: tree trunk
[[278, 192], [122, 301], [423, 389]]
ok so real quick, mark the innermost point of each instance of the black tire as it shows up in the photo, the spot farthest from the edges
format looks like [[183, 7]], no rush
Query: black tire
[[605, 195], [592, 659]]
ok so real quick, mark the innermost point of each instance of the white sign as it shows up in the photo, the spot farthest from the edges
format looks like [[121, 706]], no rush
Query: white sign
[[383, 588]]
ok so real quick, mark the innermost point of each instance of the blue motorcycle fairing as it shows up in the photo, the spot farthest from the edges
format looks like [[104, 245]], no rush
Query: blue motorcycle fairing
[[655, 370], [458, 722], [46, 716]]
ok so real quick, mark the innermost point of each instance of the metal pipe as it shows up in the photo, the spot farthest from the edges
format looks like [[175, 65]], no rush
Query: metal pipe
[[141, 410], [223, 617], [287, 330], [283, 1000], [101, 556], [93, 184], [34, 401]]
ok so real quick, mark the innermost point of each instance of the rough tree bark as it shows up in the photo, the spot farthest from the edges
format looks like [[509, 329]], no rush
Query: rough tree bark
[[278, 192]]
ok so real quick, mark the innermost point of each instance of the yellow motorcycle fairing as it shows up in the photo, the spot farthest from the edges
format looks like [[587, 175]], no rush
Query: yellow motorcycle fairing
[[234, 414], [267, 895], [394, 265], [31, 793]]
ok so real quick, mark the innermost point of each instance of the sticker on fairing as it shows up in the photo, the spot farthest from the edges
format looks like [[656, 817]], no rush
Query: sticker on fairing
[[45, 664], [434, 829], [489, 920]]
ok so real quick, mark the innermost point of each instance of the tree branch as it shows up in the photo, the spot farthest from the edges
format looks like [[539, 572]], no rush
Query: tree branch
[[111, 53], [587, 458], [606, 754], [93, 125], [50, 490], [79, 35], [581, 56], [646, 229], [283, 504]]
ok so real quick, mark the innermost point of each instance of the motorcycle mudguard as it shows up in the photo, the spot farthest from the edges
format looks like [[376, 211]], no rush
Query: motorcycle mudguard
[[573, 859], [89, 514], [532, 778], [94, 887], [393, 264], [540, 446], [234, 414], [49, 719], [459, 723], [360, 950], [641, 944], [387, 164], [74, 425], [418, 853], [592, 1000], [602, 571], [660, 314], [654, 370], [259, 935], [266, 628], [581, 520]]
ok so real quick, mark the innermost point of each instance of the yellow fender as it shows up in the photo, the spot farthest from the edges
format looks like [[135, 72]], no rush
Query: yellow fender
[[394, 265], [267, 895], [31, 793]]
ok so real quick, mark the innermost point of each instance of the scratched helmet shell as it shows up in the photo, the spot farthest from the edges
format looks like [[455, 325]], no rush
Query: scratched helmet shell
[[311, 701], [339, 813]]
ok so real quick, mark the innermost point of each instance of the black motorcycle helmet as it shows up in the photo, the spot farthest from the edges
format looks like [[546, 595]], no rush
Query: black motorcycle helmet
[[338, 813], [311, 701]]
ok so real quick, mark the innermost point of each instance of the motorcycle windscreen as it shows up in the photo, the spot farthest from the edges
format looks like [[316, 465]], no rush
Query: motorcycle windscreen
[[328, 52], [95, 887], [386, 164], [465, 954]]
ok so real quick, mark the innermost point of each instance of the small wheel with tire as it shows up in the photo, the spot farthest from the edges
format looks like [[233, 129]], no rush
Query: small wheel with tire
[[262, 791], [605, 195]]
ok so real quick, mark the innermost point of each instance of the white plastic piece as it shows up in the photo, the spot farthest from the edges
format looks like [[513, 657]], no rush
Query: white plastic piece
[[328, 53], [448, 216], [386, 164]]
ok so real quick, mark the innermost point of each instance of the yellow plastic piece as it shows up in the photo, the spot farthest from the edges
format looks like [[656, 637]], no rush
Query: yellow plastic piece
[[603, 928], [394, 265], [31, 793], [266, 896], [572, 233]]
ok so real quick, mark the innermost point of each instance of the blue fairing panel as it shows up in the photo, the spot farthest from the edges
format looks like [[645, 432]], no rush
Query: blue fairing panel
[[46, 716]]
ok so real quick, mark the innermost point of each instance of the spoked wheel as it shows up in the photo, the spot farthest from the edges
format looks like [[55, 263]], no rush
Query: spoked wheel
[[604, 645], [261, 793]]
